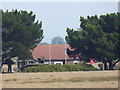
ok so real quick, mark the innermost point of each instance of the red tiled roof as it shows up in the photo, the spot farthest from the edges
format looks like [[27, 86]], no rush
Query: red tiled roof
[[51, 51]]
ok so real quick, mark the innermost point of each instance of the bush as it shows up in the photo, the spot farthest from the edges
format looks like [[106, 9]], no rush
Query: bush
[[60, 68]]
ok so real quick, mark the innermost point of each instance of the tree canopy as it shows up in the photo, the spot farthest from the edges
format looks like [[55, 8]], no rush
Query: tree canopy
[[96, 38], [20, 34]]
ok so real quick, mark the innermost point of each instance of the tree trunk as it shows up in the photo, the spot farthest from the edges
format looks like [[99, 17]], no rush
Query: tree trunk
[[116, 62], [22, 65], [1, 65], [18, 66], [105, 65], [110, 65], [9, 68]]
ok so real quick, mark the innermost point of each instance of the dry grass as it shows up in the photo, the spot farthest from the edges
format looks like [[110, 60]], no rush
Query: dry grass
[[91, 79], [77, 79]]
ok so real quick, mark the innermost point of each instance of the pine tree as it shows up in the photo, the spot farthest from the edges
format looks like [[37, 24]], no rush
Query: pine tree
[[96, 38], [20, 34]]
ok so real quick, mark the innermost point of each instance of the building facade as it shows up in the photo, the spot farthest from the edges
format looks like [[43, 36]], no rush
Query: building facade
[[54, 54]]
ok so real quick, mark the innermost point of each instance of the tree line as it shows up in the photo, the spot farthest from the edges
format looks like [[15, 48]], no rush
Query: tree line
[[97, 37]]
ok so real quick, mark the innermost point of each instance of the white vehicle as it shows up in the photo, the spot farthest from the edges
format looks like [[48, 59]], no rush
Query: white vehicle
[[58, 62]]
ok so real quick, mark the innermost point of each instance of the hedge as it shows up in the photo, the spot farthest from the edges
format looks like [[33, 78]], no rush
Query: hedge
[[60, 68]]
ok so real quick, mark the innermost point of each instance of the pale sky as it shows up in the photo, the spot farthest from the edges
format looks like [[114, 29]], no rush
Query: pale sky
[[57, 16]]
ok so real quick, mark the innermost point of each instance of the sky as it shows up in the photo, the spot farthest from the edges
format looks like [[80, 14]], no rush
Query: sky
[[57, 16]]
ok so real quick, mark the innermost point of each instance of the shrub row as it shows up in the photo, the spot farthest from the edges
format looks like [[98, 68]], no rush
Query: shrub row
[[60, 68]]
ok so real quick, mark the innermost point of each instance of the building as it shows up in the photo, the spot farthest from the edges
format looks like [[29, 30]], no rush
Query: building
[[54, 54]]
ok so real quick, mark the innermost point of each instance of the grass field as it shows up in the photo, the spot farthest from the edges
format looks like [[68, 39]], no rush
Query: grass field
[[91, 79]]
